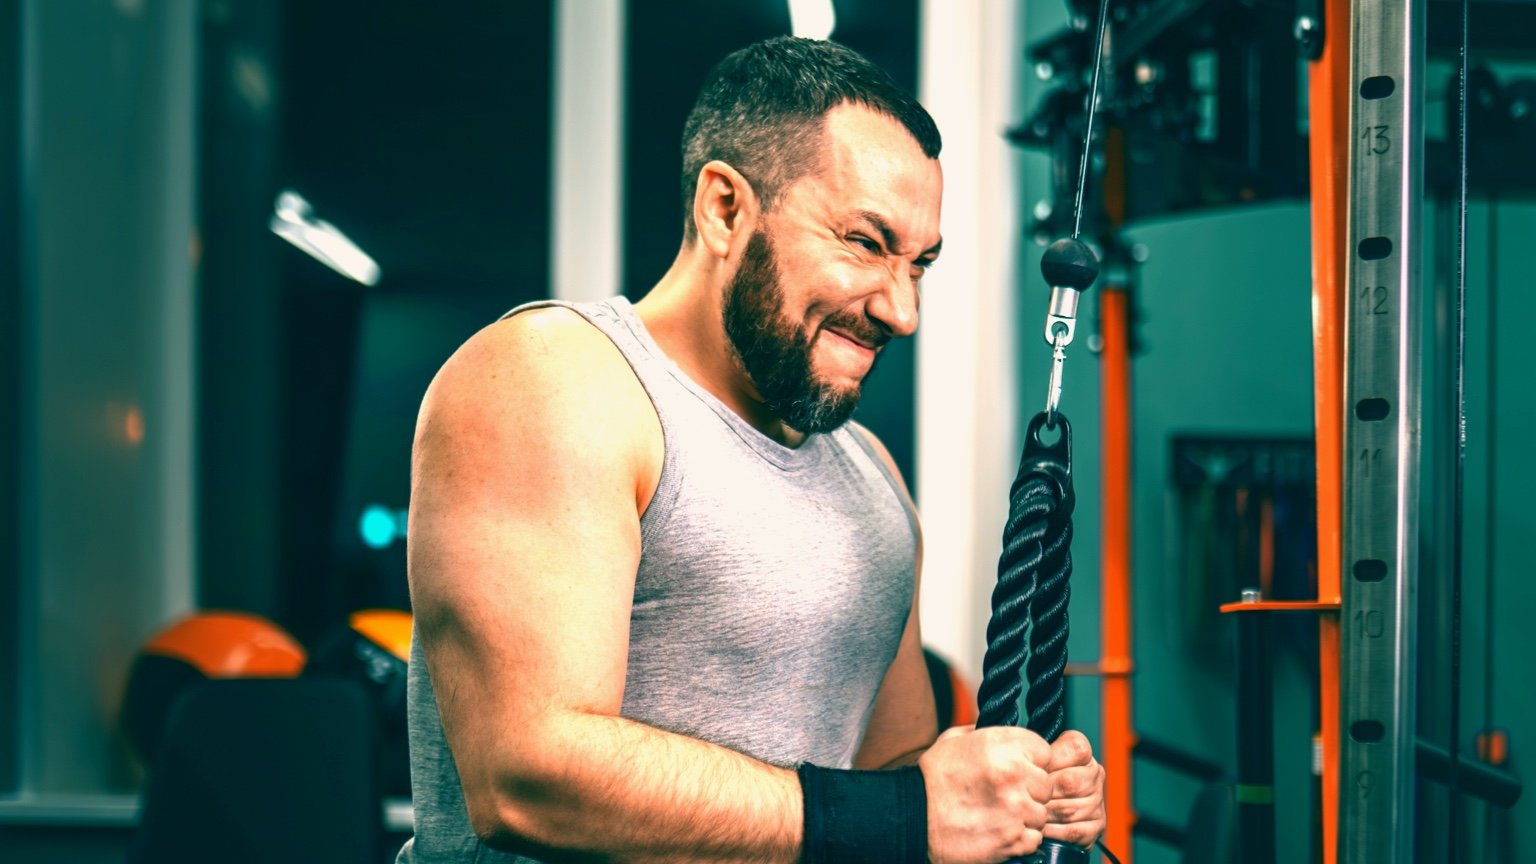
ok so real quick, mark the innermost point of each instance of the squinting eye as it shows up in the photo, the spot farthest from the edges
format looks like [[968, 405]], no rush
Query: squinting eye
[[868, 244]]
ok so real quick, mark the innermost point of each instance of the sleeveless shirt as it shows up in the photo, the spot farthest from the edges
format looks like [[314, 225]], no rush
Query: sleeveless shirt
[[773, 587]]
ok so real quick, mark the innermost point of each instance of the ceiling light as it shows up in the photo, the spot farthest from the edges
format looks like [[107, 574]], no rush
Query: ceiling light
[[813, 19], [294, 220]]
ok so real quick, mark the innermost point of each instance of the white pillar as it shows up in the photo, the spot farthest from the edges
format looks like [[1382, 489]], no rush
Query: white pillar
[[587, 160], [966, 414], [107, 446]]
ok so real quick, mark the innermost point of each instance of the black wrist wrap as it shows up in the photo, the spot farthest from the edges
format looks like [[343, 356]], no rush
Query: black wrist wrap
[[864, 817]]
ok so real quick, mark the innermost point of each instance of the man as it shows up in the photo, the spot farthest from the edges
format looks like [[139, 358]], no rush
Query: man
[[665, 594]]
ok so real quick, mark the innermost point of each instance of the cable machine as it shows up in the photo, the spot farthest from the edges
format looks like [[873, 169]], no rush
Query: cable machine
[[1366, 64]]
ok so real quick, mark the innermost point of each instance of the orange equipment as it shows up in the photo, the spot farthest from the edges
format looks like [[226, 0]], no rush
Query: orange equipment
[[199, 647]]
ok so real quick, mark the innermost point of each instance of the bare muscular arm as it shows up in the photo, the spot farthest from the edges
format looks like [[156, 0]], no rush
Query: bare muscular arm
[[536, 451]]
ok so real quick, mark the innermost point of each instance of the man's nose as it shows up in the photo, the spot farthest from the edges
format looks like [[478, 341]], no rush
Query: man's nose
[[895, 306]]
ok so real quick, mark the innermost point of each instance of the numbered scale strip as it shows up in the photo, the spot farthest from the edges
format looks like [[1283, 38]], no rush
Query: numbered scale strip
[[1381, 433]]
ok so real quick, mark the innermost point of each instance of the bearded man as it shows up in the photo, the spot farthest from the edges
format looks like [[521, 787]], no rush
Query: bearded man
[[665, 592]]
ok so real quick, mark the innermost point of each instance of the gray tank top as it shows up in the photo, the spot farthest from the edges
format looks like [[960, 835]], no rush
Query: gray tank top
[[773, 587]]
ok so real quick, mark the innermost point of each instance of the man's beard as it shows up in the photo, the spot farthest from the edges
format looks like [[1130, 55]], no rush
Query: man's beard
[[776, 354]]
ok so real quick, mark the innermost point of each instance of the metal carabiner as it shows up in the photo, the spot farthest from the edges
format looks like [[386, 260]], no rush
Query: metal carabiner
[[1053, 391]]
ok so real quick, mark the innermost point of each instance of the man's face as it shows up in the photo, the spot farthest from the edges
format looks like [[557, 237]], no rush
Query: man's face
[[834, 275], [775, 350]]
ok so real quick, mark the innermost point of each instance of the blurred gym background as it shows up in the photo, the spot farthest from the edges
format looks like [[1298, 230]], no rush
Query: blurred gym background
[[238, 237]]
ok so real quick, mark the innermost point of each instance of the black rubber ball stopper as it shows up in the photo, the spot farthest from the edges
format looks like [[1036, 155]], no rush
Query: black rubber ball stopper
[[1069, 263]]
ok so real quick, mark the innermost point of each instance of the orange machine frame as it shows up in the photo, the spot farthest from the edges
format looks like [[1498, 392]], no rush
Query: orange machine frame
[[1115, 665], [1328, 86]]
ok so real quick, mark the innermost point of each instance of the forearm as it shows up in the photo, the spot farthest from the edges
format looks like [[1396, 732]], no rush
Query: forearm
[[611, 789]]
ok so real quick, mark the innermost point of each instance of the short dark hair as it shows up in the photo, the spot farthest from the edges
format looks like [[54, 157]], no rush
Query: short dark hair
[[763, 107]]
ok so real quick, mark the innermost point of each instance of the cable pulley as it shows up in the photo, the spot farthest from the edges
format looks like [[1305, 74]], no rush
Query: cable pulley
[[1029, 626]]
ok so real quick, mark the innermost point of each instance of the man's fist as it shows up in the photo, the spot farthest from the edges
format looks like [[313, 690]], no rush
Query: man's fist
[[1075, 812], [988, 794]]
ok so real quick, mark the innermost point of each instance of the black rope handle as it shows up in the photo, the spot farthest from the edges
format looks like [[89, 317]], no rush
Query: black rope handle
[[1046, 700], [1002, 682], [1028, 629]]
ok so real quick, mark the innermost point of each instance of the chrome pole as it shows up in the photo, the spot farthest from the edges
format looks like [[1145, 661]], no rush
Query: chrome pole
[[1382, 433]]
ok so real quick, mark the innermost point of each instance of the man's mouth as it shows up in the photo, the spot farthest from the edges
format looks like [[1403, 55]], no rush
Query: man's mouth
[[859, 343], [867, 341]]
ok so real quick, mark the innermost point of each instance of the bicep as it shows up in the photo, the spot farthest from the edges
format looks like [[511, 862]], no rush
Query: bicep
[[524, 539]]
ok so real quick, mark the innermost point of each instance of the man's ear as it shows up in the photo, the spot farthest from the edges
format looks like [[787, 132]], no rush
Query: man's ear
[[725, 207]]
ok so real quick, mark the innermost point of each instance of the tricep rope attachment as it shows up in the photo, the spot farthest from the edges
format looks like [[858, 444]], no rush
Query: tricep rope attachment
[[1028, 630]]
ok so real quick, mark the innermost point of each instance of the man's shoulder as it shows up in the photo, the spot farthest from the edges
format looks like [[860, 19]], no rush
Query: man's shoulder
[[546, 363], [557, 335], [546, 343]]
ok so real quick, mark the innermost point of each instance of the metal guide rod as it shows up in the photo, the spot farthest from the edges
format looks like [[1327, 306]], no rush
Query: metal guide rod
[[1381, 433]]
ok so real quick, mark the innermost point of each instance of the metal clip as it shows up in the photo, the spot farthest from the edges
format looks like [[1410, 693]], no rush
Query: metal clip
[[1058, 361]]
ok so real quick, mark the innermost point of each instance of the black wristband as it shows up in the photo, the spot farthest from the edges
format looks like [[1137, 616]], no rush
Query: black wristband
[[864, 817]]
